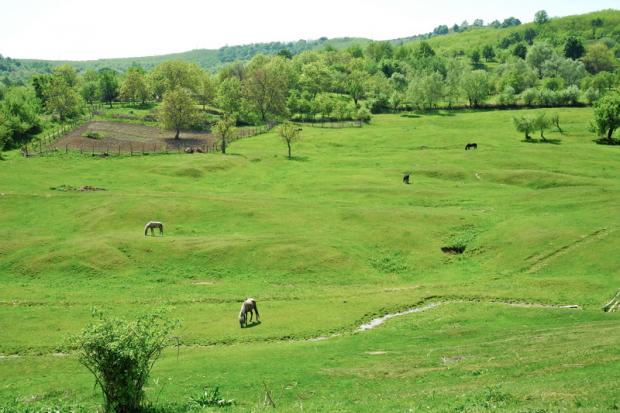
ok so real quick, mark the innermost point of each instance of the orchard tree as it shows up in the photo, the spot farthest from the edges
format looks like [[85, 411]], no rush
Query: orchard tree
[[525, 125], [475, 58], [607, 116], [108, 85], [540, 123], [356, 86], [426, 90], [177, 110], [289, 133], [225, 129], [529, 35], [520, 50], [573, 48]]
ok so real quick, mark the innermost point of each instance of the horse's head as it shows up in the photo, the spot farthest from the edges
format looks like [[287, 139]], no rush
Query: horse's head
[[241, 320]]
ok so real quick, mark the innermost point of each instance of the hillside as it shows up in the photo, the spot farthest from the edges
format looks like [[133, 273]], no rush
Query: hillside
[[449, 44], [325, 242]]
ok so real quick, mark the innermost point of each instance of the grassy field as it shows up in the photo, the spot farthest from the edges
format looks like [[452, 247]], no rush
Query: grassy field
[[325, 242]]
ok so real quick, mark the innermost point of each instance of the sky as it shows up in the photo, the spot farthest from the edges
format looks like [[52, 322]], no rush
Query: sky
[[84, 30]]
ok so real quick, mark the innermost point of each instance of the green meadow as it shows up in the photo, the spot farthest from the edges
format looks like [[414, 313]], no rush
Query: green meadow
[[325, 242]]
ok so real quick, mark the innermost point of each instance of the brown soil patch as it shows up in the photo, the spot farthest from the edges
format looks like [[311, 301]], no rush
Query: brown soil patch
[[128, 137]]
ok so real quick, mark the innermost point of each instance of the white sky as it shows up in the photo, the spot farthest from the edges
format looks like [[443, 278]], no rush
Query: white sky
[[79, 30]]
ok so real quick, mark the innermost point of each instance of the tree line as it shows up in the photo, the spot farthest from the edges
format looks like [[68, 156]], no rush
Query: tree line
[[523, 68]]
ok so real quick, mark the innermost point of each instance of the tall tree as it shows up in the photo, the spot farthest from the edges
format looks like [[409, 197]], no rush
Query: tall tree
[[177, 111], [266, 86], [476, 86], [599, 58], [229, 97], [207, 90], [596, 23], [108, 85], [538, 54], [61, 99], [134, 87], [175, 74], [573, 48], [541, 17]]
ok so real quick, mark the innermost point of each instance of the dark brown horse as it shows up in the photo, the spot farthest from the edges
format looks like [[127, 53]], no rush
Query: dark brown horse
[[152, 225], [471, 146]]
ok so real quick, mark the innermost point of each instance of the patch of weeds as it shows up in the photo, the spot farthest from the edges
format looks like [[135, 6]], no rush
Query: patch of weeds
[[210, 398], [491, 398], [389, 263], [454, 249], [93, 135]]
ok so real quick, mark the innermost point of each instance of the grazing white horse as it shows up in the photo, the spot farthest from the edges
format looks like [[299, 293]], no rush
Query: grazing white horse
[[248, 306], [152, 225]]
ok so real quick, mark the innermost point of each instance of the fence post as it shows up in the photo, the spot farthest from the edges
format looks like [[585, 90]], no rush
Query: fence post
[[130, 149], [119, 150]]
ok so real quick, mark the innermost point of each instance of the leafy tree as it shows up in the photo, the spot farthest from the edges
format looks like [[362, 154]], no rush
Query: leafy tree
[[478, 23], [573, 48], [424, 50], [475, 58], [508, 96], [607, 115], [62, 100], [510, 22], [541, 123], [229, 96], [529, 35], [108, 85], [452, 84], [90, 92], [442, 29], [538, 54], [286, 54], [134, 87], [520, 50], [68, 73], [379, 50], [356, 86], [19, 116], [495, 24], [516, 74], [456, 28], [525, 125], [555, 120], [40, 83], [289, 133], [488, 53], [266, 86], [541, 17], [225, 129], [596, 23], [177, 110], [207, 90], [120, 354], [175, 74], [598, 58], [476, 86], [426, 90]]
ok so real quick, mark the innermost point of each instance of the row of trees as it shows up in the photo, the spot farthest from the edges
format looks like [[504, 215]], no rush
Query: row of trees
[[328, 84]]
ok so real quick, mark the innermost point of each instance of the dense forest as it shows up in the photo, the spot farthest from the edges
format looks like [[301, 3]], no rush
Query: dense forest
[[550, 62]]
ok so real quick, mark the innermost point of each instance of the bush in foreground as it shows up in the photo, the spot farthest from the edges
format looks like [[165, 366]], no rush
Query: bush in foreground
[[120, 354]]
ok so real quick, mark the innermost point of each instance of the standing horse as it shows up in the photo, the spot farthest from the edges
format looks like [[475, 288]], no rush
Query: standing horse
[[471, 146], [152, 225], [248, 306]]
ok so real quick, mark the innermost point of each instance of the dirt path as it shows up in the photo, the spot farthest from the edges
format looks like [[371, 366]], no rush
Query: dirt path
[[543, 260]]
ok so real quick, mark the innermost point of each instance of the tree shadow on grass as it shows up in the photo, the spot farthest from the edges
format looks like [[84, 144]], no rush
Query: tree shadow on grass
[[299, 158], [543, 141], [608, 142]]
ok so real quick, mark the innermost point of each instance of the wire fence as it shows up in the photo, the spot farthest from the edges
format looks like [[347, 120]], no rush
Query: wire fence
[[48, 145]]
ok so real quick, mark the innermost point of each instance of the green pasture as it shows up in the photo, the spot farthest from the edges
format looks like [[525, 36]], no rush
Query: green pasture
[[325, 242]]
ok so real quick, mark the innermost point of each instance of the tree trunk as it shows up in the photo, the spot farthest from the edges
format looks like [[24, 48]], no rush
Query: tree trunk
[[223, 145], [110, 103], [289, 149], [610, 134], [177, 135]]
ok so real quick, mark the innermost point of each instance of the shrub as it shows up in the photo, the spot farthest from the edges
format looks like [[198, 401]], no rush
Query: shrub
[[120, 354], [508, 96], [530, 96], [592, 95], [210, 398], [93, 135]]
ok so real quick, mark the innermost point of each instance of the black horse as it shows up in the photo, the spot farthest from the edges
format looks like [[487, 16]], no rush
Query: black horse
[[406, 179], [471, 146]]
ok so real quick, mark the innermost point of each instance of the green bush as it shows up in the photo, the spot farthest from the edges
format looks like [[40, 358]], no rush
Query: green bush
[[210, 398], [120, 354]]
